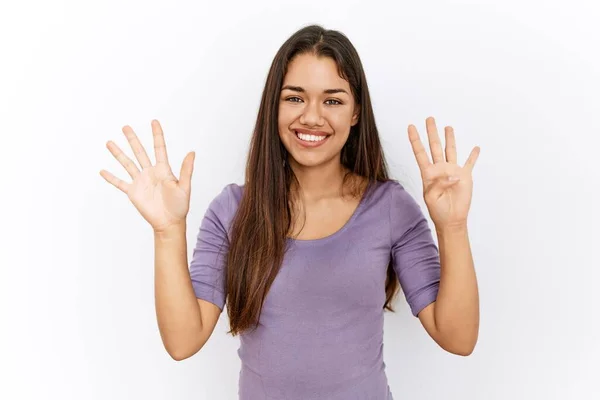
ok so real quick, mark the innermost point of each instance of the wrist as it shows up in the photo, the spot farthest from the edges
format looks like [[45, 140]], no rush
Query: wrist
[[172, 230], [450, 229]]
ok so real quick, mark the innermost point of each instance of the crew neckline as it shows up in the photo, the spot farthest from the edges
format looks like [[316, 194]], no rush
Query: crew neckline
[[345, 227]]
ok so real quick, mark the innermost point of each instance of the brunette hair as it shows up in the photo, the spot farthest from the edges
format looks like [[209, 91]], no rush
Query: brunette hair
[[263, 219]]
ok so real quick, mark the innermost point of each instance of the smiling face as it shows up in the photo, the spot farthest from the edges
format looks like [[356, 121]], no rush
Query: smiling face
[[316, 111]]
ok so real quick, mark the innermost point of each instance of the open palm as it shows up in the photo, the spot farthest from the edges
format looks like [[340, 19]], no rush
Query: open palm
[[156, 193], [448, 200]]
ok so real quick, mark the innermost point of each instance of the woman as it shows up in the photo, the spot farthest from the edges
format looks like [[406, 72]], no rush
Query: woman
[[310, 251]]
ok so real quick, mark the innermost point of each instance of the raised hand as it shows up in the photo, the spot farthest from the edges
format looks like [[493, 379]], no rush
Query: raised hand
[[447, 187], [156, 193]]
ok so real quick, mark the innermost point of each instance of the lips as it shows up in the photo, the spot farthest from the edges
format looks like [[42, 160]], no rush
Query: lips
[[305, 143], [309, 132]]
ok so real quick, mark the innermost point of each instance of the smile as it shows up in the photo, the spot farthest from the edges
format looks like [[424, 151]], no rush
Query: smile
[[308, 140]]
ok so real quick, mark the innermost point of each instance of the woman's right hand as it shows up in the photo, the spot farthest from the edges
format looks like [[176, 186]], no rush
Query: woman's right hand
[[158, 195]]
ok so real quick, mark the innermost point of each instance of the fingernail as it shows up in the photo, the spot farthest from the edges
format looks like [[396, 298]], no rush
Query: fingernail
[[453, 178]]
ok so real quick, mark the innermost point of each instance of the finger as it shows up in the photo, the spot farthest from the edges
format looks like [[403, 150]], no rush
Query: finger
[[418, 148], [187, 168], [434, 141], [160, 148], [470, 163], [136, 146], [116, 182], [125, 161], [450, 145]]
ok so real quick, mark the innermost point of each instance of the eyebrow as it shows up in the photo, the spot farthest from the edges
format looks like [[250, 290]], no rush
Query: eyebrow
[[301, 89]]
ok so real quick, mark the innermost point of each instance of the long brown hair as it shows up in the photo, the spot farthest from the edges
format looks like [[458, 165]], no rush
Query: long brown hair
[[263, 219]]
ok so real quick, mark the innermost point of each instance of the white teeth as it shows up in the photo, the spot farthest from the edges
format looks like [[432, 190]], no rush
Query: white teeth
[[310, 138]]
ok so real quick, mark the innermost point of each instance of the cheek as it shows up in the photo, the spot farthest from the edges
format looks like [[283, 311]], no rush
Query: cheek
[[285, 117], [281, 118], [341, 120]]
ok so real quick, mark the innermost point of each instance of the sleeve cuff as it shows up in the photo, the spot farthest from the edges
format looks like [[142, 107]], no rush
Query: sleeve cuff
[[210, 294], [424, 299]]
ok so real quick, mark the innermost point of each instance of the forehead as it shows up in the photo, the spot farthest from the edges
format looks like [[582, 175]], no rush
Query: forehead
[[314, 73]]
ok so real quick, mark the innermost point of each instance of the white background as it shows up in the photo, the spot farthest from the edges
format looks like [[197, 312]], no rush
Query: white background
[[518, 78]]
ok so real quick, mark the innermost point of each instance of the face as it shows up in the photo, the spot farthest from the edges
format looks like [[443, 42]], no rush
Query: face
[[316, 111]]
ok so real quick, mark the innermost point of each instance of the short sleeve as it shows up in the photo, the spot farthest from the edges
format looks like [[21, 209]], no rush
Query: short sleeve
[[415, 255], [207, 268]]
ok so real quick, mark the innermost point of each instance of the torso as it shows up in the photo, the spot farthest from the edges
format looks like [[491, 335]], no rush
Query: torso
[[320, 334], [320, 331]]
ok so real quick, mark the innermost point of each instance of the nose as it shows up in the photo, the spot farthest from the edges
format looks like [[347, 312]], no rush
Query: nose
[[311, 116]]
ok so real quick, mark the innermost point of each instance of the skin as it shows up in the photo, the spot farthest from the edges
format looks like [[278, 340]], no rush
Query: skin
[[453, 319], [318, 170]]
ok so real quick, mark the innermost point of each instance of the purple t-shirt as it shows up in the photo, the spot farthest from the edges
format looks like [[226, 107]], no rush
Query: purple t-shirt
[[320, 334]]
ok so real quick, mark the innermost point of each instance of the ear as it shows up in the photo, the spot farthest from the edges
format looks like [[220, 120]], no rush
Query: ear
[[355, 115]]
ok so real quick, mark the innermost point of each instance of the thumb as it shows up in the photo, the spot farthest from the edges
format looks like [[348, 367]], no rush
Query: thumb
[[187, 167]]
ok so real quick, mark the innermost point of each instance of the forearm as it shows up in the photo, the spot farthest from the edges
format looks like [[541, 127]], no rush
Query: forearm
[[177, 310], [457, 305]]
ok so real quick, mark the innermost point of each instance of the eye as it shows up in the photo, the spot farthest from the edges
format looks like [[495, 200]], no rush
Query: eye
[[335, 102], [294, 99]]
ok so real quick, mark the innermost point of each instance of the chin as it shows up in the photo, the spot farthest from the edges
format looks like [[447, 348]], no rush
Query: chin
[[310, 162]]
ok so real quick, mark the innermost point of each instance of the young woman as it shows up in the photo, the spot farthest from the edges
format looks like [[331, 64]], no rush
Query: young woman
[[315, 245]]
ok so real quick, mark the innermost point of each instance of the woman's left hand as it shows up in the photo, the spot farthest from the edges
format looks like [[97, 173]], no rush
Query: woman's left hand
[[448, 201]]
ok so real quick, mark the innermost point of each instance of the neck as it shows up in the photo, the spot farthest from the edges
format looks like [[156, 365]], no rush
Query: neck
[[319, 182]]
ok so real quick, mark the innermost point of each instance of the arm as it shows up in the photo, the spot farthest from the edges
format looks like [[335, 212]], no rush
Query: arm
[[453, 319], [177, 310], [184, 322]]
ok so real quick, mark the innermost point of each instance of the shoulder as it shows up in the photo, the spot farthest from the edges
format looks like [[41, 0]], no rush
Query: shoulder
[[393, 187], [221, 210], [398, 194], [225, 203], [391, 193], [229, 195], [403, 206]]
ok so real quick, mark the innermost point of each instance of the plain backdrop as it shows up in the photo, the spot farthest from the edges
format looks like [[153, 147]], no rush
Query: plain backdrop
[[520, 79]]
